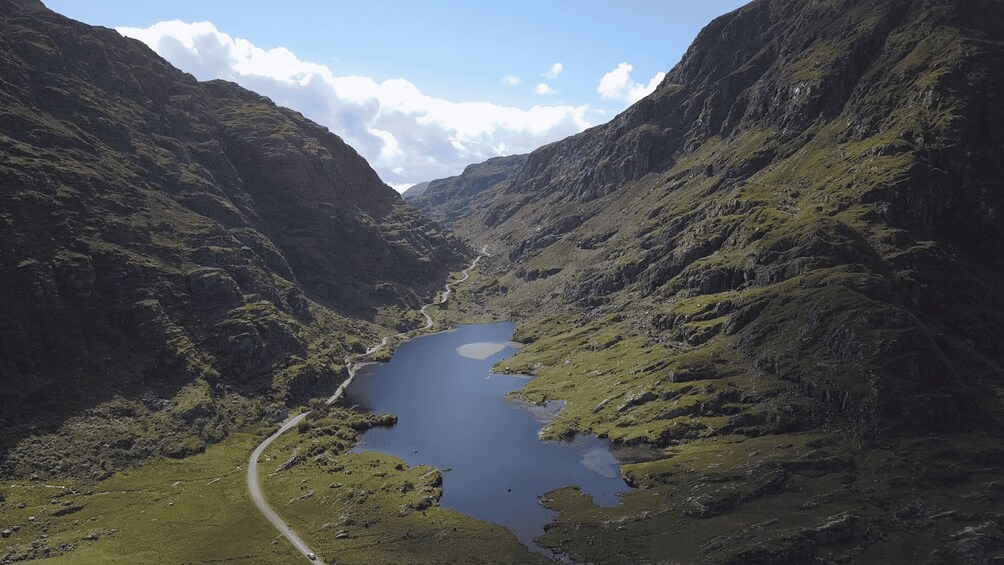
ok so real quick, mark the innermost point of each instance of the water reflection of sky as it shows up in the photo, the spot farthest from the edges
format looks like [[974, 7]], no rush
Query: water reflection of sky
[[480, 349]]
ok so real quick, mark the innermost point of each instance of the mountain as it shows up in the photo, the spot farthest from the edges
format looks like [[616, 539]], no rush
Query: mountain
[[414, 191], [775, 284], [447, 200], [179, 258]]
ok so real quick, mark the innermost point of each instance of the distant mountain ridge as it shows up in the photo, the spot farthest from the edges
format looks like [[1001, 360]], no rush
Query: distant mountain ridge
[[188, 252], [415, 191], [447, 200]]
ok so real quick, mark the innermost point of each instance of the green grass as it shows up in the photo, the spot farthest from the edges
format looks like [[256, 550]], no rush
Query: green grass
[[197, 510], [769, 493], [387, 510], [193, 510]]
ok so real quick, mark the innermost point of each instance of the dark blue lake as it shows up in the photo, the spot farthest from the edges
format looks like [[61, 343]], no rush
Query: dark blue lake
[[452, 412]]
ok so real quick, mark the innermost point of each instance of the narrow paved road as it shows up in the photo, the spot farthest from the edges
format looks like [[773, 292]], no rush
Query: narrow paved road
[[254, 485], [448, 289]]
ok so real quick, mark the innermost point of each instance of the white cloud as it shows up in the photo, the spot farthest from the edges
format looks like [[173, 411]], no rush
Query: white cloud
[[618, 85], [405, 134], [511, 80], [543, 89], [391, 148], [554, 71]]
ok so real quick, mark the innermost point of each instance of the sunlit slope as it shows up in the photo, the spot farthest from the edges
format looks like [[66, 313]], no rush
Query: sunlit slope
[[794, 243]]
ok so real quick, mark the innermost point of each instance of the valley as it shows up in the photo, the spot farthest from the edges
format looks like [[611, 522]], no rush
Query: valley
[[757, 315]]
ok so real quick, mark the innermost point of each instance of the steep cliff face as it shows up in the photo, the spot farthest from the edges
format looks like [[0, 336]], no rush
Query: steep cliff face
[[188, 253], [347, 236], [795, 240]]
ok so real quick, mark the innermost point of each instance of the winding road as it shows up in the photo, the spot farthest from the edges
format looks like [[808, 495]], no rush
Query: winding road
[[254, 485], [446, 292]]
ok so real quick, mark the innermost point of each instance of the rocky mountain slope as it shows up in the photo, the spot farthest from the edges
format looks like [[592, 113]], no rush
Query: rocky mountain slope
[[178, 258], [447, 200], [777, 280]]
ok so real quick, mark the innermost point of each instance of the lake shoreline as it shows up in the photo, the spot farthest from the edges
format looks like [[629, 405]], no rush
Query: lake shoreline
[[455, 413]]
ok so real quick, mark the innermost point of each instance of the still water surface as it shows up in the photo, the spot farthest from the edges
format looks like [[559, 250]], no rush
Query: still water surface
[[452, 412]]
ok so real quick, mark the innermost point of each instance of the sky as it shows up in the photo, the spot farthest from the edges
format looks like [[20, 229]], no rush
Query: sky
[[422, 89]]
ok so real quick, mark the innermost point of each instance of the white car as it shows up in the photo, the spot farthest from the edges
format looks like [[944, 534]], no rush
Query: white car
[[311, 556]]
